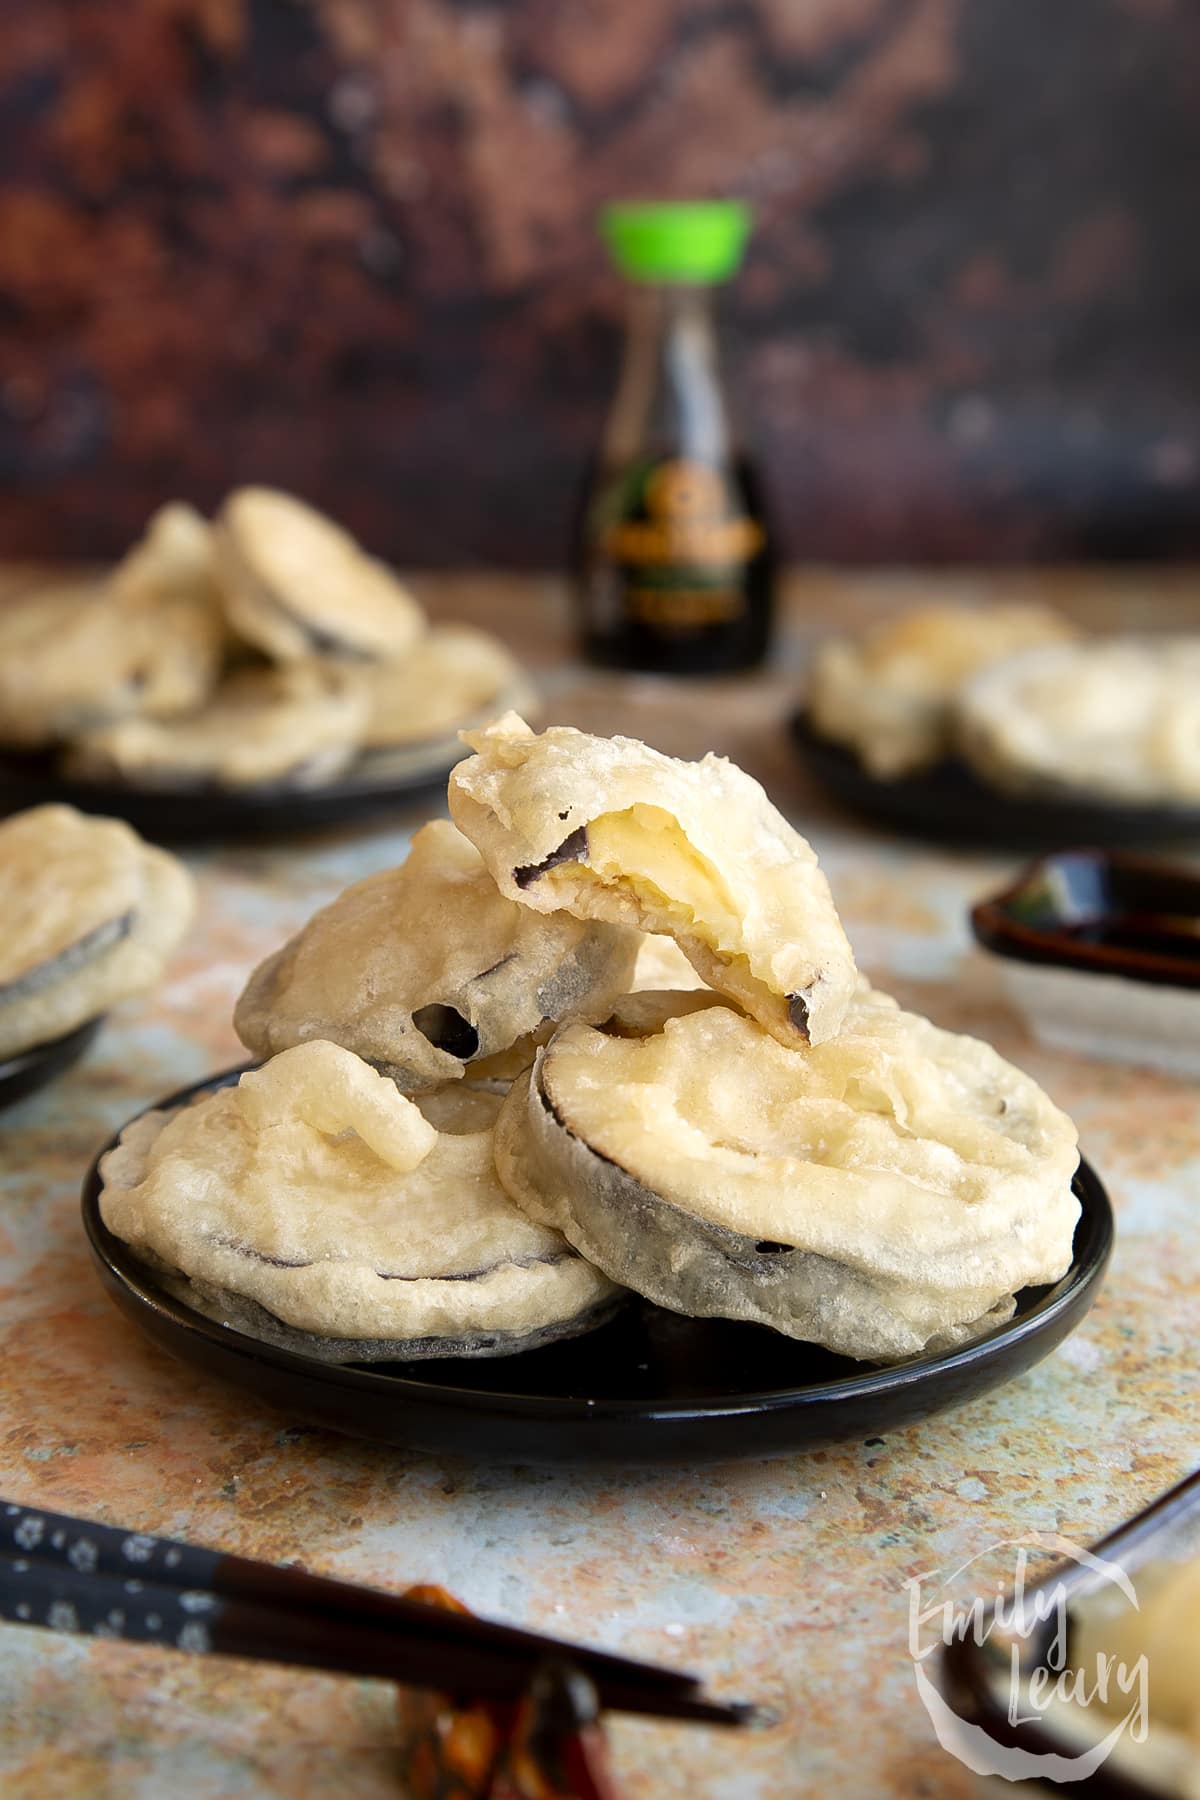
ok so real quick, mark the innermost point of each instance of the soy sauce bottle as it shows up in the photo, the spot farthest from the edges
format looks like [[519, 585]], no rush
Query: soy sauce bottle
[[674, 564]]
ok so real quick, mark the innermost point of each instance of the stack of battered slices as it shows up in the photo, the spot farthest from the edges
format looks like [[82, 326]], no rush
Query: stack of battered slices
[[478, 1128], [1033, 708], [264, 649]]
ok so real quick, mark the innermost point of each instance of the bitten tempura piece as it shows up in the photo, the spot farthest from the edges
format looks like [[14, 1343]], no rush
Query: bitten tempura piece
[[605, 828]]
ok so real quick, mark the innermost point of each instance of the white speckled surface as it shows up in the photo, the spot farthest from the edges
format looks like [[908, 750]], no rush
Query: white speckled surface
[[783, 1582]]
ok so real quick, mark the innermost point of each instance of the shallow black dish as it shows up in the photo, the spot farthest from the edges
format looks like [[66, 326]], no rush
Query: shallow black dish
[[1084, 937], [949, 804], [1100, 914], [649, 1387], [180, 815], [32, 1069]]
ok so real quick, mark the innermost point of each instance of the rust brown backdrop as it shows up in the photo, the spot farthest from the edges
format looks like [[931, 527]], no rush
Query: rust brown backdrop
[[346, 245]]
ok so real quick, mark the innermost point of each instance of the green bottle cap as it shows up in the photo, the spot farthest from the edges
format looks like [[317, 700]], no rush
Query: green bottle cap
[[676, 240]]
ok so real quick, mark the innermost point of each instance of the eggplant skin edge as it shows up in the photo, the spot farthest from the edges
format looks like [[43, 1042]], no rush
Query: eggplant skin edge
[[688, 1265], [71, 960], [249, 1316]]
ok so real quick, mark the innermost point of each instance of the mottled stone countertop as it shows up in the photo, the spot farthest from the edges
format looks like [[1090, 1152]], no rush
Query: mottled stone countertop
[[783, 1581]]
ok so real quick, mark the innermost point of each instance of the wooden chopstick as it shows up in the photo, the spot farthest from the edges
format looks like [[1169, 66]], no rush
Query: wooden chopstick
[[73, 1576]]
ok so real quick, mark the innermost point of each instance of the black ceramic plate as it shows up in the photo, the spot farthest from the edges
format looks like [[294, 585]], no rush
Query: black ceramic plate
[[949, 804], [182, 815], [32, 1069], [648, 1387]]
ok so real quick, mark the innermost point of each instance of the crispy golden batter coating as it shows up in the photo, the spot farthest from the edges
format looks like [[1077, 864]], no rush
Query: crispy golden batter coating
[[91, 914], [314, 1196], [462, 1106], [453, 677], [296, 585], [882, 1193], [606, 828], [155, 676], [889, 694], [298, 725], [1117, 719], [147, 642], [425, 968], [175, 559]]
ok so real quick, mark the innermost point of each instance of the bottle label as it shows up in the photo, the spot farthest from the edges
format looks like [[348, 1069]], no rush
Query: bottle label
[[687, 521], [679, 558]]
